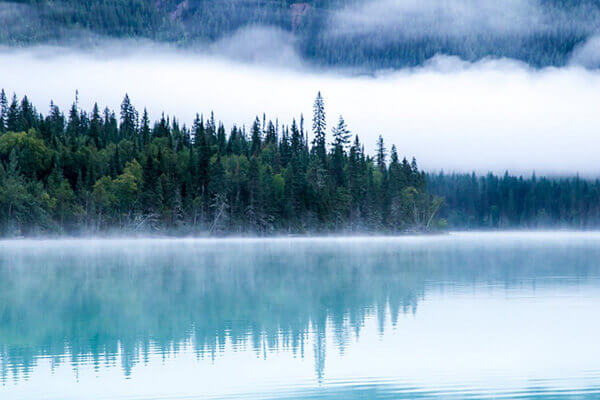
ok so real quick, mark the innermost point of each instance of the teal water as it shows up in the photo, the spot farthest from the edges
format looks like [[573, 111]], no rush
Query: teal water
[[478, 315]]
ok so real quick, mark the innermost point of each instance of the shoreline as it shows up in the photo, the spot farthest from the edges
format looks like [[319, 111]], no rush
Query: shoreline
[[447, 235]]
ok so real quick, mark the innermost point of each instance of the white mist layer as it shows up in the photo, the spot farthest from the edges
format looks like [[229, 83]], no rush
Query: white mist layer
[[417, 18], [394, 19], [451, 115]]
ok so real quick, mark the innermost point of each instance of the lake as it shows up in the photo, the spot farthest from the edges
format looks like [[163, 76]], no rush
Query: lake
[[463, 315]]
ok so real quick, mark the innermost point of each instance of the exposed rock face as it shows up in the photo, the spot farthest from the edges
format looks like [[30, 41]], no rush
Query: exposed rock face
[[298, 11]]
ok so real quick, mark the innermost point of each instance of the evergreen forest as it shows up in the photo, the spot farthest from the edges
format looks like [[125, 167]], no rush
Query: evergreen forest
[[101, 172], [540, 32]]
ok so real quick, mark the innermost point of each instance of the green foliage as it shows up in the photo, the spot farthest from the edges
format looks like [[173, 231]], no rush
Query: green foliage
[[87, 173], [507, 201], [33, 157]]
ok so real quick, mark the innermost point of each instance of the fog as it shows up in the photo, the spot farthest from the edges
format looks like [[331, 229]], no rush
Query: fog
[[395, 19], [449, 114]]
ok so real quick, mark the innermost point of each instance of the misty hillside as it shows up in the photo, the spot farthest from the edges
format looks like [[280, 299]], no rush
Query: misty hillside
[[360, 33]]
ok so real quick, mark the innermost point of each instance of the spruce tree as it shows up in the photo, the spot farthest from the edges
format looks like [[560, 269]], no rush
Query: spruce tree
[[256, 140], [129, 119], [95, 125], [319, 129], [341, 138], [13, 118], [381, 153], [3, 111], [73, 122], [55, 123], [341, 134], [145, 128]]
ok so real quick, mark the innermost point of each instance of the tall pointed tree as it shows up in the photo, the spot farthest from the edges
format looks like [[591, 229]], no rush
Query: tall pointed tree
[[256, 139], [145, 128], [129, 119], [381, 153], [341, 134], [13, 117], [319, 128], [3, 111], [95, 125], [341, 138]]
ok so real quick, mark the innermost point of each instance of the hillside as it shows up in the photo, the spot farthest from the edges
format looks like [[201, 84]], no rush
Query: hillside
[[369, 35]]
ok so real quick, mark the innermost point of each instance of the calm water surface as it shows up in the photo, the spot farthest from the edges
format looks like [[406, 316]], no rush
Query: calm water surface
[[505, 315]]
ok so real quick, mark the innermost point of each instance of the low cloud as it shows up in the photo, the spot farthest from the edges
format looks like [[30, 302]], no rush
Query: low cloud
[[258, 45], [450, 114], [406, 19], [587, 54]]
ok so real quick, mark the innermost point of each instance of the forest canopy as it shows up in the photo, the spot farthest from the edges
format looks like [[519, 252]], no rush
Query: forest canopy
[[97, 171]]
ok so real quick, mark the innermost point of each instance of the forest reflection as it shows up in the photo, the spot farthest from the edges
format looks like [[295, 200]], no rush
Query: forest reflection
[[111, 302]]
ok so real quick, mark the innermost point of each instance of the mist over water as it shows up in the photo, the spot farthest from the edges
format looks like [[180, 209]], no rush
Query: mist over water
[[462, 85], [510, 314]]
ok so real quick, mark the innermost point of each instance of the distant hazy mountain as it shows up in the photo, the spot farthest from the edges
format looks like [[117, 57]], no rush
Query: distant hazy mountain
[[367, 34]]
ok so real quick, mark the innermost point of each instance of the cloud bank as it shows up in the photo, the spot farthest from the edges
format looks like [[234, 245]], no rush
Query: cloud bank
[[258, 45], [450, 114], [394, 19]]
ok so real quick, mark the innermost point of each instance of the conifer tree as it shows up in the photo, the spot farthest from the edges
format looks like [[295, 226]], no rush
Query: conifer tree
[[319, 128], [95, 125], [13, 117], [341, 138], [129, 118], [73, 121], [145, 128], [256, 141], [55, 124], [381, 153], [341, 134], [3, 111]]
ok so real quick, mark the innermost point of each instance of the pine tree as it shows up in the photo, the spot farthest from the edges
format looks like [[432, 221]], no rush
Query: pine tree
[[73, 121], [111, 132], [3, 111], [271, 134], [55, 124], [319, 128], [145, 128], [13, 117], [341, 138], [341, 134], [221, 138], [95, 125], [256, 141], [381, 153], [28, 115], [129, 119]]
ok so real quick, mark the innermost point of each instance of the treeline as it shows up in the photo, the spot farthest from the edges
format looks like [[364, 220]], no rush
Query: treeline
[[89, 172], [506, 201], [563, 26]]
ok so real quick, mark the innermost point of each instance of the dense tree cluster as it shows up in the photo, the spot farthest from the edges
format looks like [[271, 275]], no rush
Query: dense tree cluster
[[515, 202], [565, 24], [96, 171]]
